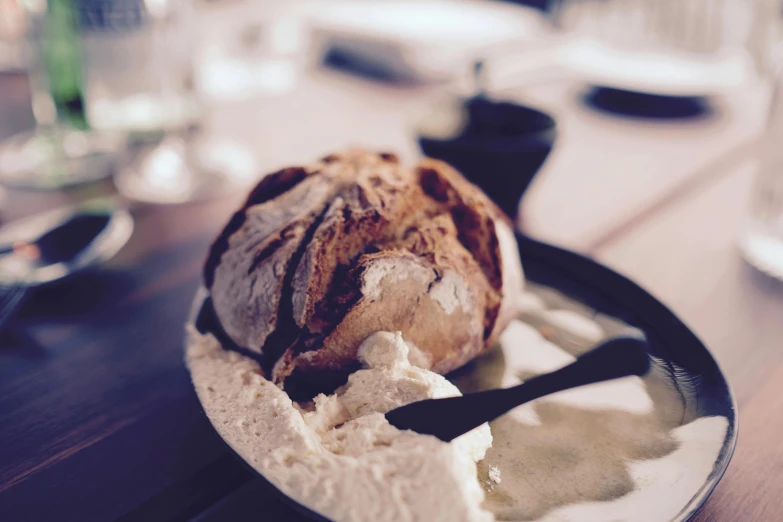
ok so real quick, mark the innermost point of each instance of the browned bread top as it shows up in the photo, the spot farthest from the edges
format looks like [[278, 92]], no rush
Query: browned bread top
[[320, 257]]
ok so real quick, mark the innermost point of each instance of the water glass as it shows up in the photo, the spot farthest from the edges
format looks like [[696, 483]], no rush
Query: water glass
[[678, 48], [138, 64], [146, 84], [252, 47], [762, 240]]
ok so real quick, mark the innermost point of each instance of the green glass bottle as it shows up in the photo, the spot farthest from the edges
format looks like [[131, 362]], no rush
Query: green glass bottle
[[63, 61]]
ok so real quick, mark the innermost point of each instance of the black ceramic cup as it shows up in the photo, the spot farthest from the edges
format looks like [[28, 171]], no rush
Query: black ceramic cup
[[498, 145]]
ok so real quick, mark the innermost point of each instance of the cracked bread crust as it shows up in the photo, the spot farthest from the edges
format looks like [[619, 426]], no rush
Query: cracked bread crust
[[320, 257]]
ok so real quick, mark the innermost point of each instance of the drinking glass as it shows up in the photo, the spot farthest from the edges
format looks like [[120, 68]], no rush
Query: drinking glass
[[762, 240], [144, 86], [664, 47], [252, 47], [62, 150]]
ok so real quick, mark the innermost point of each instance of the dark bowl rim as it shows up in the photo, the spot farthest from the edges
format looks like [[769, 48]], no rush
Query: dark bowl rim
[[538, 141], [551, 127]]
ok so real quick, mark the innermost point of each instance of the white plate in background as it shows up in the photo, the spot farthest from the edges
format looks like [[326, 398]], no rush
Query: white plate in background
[[420, 39]]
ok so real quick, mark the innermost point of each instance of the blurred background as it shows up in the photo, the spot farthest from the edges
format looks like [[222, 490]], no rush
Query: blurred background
[[168, 111], [164, 113]]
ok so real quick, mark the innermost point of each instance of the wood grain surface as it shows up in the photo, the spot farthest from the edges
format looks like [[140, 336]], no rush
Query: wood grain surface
[[606, 172], [688, 256], [98, 415]]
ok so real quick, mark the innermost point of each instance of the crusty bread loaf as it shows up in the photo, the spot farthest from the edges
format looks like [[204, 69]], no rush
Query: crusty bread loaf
[[320, 257]]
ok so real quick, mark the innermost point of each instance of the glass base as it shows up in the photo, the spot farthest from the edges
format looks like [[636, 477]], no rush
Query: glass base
[[764, 251], [48, 159], [176, 171]]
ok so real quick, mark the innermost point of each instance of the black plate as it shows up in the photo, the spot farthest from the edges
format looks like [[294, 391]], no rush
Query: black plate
[[696, 376], [694, 371]]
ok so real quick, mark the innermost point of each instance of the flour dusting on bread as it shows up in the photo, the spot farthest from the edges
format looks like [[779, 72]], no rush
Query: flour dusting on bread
[[322, 256]]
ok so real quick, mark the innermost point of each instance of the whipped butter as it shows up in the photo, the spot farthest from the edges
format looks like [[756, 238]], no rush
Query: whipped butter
[[343, 459]]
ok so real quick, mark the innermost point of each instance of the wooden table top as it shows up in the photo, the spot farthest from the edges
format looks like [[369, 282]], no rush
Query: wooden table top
[[100, 422]]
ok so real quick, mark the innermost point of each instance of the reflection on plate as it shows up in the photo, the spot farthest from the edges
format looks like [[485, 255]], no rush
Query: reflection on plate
[[635, 449]]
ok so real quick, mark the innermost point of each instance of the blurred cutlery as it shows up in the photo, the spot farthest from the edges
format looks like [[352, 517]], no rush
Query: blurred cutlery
[[53, 245]]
